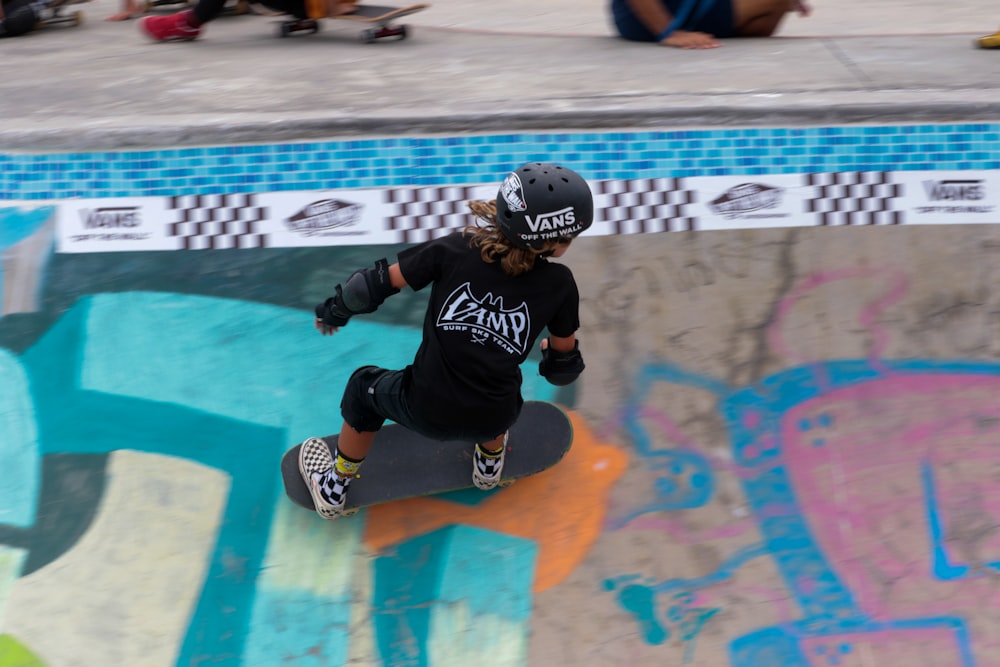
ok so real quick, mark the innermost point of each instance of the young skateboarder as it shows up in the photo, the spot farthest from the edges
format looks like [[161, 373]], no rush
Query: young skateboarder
[[493, 292]]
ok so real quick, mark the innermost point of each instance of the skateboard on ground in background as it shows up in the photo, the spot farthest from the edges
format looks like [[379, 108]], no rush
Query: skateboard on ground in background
[[57, 13], [381, 15]]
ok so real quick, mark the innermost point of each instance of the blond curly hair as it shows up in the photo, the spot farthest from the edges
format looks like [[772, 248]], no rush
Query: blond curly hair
[[493, 246]]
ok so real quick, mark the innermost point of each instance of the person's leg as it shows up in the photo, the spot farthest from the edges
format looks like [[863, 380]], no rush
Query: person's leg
[[340, 7], [759, 18], [205, 11], [487, 462], [130, 9], [296, 8], [366, 404], [182, 26], [329, 474], [19, 18]]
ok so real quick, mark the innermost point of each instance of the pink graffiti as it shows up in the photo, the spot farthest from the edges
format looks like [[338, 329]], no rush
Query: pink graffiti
[[867, 318], [855, 457]]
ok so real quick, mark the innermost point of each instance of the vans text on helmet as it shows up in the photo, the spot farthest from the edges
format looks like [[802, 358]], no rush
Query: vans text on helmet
[[541, 202]]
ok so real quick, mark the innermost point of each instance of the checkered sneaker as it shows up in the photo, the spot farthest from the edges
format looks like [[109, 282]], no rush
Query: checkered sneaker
[[315, 465], [486, 468]]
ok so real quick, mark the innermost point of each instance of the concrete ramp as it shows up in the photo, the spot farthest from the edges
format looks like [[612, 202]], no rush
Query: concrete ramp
[[784, 455]]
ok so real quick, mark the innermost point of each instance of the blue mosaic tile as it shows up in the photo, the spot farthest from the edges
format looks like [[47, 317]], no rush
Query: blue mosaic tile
[[388, 161]]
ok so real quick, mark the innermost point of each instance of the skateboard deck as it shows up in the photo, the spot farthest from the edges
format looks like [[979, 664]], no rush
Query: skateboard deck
[[379, 13], [60, 13], [382, 15], [403, 464]]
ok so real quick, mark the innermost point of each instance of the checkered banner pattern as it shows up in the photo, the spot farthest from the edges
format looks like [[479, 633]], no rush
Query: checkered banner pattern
[[643, 206], [855, 198], [215, 222], [421, 214]]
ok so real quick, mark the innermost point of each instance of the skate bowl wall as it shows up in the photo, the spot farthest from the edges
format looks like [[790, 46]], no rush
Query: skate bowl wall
[[785, 437]]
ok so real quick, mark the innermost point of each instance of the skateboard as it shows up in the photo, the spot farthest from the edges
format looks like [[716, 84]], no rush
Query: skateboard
[[381, 15], [58, 13], [403, 464]]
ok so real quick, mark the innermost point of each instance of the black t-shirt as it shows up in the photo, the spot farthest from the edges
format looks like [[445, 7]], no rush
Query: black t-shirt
[[480, 326]]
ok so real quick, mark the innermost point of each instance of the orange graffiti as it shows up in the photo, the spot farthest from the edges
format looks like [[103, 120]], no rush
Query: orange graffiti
[[562, 509]]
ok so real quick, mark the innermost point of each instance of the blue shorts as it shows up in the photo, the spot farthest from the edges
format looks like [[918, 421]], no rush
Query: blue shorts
[[714, 17]]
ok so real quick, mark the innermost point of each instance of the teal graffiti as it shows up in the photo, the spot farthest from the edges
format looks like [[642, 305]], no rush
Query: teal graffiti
[[680, 621]]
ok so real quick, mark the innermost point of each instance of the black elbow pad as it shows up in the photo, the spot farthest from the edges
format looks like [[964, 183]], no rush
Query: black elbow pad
[[367, 289], [561, 368]]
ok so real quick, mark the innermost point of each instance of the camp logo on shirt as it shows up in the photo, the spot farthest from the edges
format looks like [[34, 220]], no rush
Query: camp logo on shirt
[[486, 319]]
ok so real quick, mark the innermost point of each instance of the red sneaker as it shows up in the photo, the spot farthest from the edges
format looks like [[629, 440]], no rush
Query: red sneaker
[[169, 28]]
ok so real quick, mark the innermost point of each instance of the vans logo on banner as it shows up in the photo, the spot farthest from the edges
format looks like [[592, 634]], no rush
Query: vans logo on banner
[[486, 319], [965, 190], [325, 215], [111, 223], [949, 195], [111, 217], [745, 199]]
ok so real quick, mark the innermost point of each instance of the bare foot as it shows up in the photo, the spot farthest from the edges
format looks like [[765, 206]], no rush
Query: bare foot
[[341, 8], [682, 39], [132, 9]]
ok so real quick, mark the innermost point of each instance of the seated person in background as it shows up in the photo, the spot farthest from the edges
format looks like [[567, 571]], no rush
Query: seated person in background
[[699, 24], [185, 26], [18, 17]]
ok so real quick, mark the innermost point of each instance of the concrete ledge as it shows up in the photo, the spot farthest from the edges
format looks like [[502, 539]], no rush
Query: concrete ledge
[[677, 112]]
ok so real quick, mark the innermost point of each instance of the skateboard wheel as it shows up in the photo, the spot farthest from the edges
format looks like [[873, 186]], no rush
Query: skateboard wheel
[[77, 17], [368, 36], [402, 32], [350, 512], [288, 28]]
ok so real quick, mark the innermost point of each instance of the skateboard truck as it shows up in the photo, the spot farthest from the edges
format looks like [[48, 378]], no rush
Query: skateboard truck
[[371, 35], [290, 27], [368, 36]]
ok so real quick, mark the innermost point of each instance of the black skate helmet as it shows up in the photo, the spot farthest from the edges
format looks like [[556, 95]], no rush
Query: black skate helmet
[[542, 202]]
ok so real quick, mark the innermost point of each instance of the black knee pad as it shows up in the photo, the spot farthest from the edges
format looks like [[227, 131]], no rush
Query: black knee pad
[[18, 21], [356, 406]]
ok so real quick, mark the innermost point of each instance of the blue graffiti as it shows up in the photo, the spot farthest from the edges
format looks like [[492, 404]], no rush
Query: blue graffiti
[[753, 418], [679, 621]]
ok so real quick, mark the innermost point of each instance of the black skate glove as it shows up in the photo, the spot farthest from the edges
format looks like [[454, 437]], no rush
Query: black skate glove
[[561, 368], [333, 312]]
